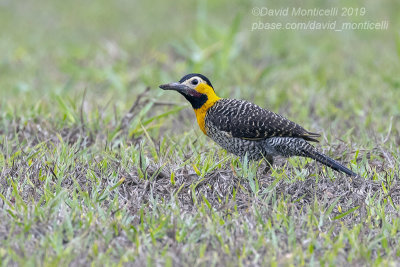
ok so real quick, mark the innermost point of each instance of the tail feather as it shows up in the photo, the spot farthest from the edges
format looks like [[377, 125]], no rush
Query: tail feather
[[324, 159], [310, 136], [288, 146]]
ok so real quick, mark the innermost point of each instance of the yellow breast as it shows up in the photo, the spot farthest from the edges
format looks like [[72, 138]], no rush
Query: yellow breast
[[202, 111]]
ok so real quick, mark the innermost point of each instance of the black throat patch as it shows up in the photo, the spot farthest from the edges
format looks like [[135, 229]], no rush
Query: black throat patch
[[196, 101]]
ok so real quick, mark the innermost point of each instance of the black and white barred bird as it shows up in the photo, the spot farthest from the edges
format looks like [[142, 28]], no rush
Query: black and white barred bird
[[244, 128]]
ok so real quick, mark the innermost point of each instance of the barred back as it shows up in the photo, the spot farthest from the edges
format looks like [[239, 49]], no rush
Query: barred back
[[246, 120]]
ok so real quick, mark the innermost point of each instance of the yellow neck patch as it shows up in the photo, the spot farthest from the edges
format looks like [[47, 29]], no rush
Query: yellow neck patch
[[211, 99]]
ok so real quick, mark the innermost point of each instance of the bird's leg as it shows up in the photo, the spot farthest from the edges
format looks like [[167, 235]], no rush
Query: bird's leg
[[233, 168]]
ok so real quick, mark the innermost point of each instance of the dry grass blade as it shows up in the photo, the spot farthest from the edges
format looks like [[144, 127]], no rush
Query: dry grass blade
[[128, 117]]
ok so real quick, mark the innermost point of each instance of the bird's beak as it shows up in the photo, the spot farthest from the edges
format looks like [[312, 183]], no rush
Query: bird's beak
[[174, 86]]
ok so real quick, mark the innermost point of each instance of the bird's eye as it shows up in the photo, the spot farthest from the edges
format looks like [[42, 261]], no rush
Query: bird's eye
[[195, 81]]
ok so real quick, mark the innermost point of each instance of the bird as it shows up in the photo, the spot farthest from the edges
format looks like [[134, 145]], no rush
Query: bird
[[245, 129]]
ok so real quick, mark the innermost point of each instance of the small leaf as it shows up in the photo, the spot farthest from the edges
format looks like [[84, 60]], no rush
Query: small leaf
[[346, 213], [118, 183]]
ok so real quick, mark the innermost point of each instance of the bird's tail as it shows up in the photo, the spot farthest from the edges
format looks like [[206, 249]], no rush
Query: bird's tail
[[288, 146], [324, 159]]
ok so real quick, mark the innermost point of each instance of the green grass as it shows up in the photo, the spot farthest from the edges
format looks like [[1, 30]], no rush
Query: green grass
[[98, 166]]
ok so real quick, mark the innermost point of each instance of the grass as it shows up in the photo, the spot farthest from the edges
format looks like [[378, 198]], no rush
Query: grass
[[98, 166]]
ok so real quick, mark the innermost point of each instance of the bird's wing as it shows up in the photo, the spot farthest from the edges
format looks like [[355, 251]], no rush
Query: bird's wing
[[246, 120]]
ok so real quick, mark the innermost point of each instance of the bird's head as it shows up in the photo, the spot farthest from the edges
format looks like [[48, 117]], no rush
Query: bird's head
[[196, 88]]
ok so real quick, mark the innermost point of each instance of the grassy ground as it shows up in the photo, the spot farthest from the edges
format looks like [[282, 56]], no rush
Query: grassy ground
[[99, 166]]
